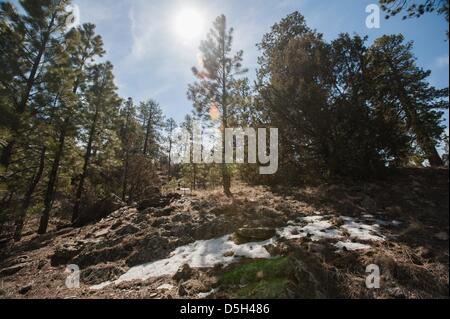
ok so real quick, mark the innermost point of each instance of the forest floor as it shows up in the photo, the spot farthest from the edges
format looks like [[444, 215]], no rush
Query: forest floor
[[310, 242]]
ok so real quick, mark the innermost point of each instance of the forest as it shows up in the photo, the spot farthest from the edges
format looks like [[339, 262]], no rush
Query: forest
[[87, 176]]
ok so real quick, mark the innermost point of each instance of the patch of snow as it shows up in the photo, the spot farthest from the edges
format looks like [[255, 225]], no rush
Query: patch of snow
[[351, 246], [165, 287], [204, 295], [209, 253], [317, 228], [361, 231], [101, 286], [200, 254]]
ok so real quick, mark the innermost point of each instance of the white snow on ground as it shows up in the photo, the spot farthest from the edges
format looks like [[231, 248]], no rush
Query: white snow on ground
[[205, 295], [351, 246], [316, 227], [361, 231], [165, 287], [200, 254], [101, 286], [209, 253]]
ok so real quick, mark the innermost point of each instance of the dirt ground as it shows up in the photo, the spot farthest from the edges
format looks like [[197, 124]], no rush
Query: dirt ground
[[402, 222]]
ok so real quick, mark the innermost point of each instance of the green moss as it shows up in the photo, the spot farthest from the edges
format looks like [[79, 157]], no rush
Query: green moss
[[258, 279]]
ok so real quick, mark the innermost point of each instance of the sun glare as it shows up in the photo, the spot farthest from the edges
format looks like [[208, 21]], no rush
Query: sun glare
[[188, 24]]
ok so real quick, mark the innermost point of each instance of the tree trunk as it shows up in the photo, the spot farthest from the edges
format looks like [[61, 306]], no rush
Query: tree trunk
[[27, 199], [195, 177], [87, 158], [170, 159], [424, 141], [125, 177], [147, 136], [51, 186], [226, 179], [7, 154]]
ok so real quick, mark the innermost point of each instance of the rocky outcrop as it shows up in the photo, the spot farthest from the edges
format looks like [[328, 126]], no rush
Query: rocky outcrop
[[158, 201], [253, 234], [99, 210]]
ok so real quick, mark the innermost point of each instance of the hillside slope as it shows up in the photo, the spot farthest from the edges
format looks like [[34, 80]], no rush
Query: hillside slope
[[312, 242]]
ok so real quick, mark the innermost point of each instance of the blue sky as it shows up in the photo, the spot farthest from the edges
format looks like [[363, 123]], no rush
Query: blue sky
[[152, 60]]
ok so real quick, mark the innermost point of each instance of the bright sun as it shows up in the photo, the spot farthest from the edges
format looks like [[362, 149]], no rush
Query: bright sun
[[188, 24]]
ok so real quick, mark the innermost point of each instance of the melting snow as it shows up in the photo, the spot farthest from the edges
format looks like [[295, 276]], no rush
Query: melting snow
[[317, 228], [204, 295], [362, 231], [101, 286], [351, 246], [223, 251], [200, 254], [165, 287]]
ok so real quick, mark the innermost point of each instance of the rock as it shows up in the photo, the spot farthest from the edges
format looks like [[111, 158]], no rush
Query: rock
[[25, 289], [157, 201], [183, 274], [228, 254], [180, 218], [148, 249], [257, 234], [442, 236], [116, 225], [99, 210], [163, 212], [195, 286], [268, 212], [182, 291], [102, 273], [279, 249], [63, 255], [101, 233], [9, 271], [159, 222], [128, 229]]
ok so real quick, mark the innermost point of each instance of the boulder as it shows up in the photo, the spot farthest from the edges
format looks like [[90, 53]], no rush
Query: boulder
[[183, 274], [157, 201], [99, 210], [257, 234], [148, 249], [63, 255], [101, 273]]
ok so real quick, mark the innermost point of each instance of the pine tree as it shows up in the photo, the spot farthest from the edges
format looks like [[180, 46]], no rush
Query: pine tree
[[170, 127], [215, 88], [82, 47], [128, 115], [102, 105], [393, 65], [414, 9], [151, 117], [30, 36]]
